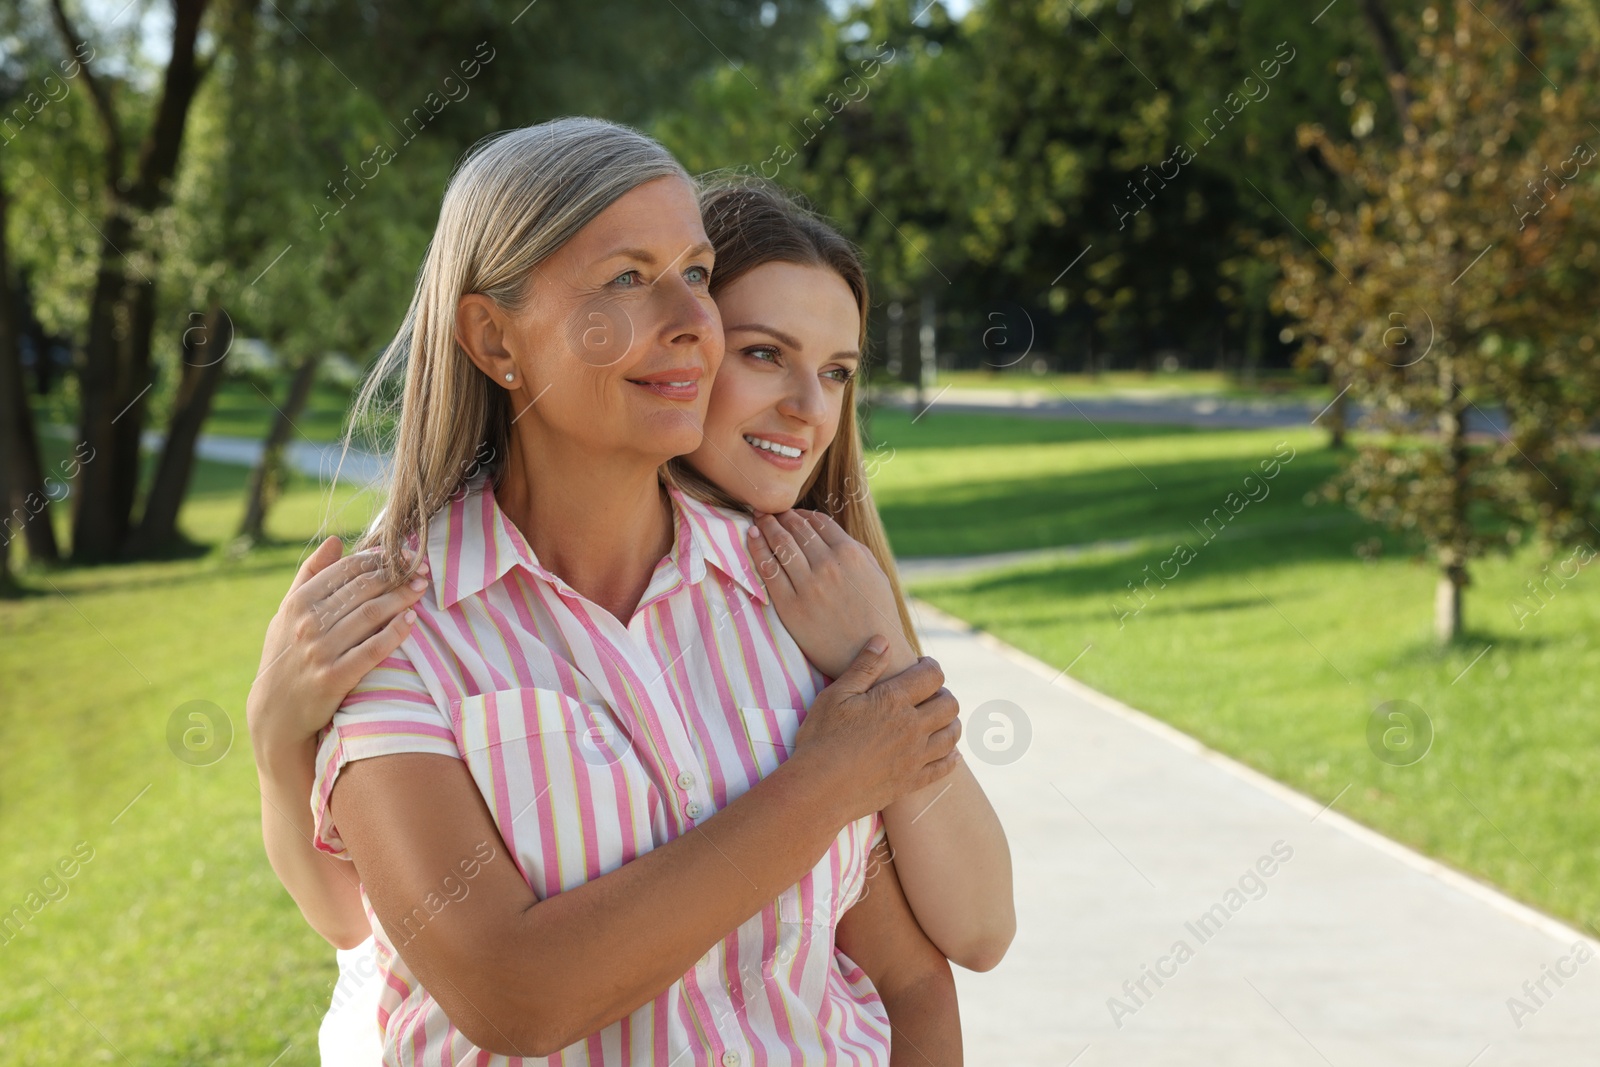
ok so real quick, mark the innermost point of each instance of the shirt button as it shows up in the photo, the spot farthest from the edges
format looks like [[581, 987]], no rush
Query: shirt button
[[685, 779], [730, 1058], [693, 809]]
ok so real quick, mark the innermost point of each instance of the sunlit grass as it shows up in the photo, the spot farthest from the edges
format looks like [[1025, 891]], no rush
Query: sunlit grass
[[174, 944]]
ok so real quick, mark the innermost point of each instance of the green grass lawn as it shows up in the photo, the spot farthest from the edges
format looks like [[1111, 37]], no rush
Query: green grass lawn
[[1277, 641], [174, 944]]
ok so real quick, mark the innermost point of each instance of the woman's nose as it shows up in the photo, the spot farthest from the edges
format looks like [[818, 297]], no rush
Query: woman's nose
[[689, 317], [804, 400]]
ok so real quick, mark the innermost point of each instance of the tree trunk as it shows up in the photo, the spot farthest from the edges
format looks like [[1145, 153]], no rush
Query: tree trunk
[[268, 474], [114, 372], [98, 528], [1394, 63], [896, 339], [1338, 412], [22, 481], [1453, 550], [205, 346], [928, 373], [1447, 599]]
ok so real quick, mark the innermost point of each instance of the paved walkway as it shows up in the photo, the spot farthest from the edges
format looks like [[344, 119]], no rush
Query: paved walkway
[[1353, 951], [1169, 409]]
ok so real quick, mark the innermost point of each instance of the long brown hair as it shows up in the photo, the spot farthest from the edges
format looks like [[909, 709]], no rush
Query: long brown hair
[[752, 222]]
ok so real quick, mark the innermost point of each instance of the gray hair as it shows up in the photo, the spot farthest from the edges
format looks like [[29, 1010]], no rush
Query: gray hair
[[514, 200]]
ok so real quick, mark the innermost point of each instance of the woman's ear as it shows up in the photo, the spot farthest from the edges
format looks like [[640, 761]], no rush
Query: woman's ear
[[481, 333]]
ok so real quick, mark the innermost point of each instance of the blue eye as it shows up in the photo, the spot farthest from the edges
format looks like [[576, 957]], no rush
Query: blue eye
[[618, 280], [698, 275]]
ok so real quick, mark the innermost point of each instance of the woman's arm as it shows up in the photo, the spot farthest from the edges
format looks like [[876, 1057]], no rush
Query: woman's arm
[[949, 846], [910, 973], [521, 976], [337, 622]]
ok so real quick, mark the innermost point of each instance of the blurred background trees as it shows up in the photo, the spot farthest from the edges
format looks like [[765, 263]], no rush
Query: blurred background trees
[[1039, 186]]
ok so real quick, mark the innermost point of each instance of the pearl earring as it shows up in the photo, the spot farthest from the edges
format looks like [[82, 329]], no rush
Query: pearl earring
[[510, 376]]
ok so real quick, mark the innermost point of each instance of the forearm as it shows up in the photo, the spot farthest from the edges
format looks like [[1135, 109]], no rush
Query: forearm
[[925, 1020], [955, 867], [880, 934], [633, 933], [526, 977], [326, 889], [955, 864]]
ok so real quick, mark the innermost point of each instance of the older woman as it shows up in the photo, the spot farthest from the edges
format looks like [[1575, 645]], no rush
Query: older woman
[[585, 798]]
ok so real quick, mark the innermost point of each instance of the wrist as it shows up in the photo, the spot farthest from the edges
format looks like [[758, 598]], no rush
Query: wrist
[[819, 787], [282, 757]]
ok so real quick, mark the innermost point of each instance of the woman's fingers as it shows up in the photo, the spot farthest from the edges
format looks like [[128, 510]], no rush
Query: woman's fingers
[[377, 648], [371, 616], [811, 544], [784, 547], [323, 556], [336, 575], [830, 532], [363, 585], [767, 565]]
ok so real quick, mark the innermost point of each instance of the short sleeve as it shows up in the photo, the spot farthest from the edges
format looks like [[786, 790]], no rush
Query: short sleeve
[[388, 713], [880, 831]]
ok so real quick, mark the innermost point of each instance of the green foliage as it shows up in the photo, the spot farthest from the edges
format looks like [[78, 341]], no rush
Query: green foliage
[[1451, 283], [982, 156]]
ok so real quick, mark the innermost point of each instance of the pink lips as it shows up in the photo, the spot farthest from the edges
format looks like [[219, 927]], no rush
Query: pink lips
[[677, 384]]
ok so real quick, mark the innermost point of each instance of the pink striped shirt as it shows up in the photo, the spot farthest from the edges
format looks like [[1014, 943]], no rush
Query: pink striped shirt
[[594, 742]]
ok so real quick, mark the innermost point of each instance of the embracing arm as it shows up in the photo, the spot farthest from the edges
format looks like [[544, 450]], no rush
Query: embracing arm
[[523, 976], [950, 849], [910, 973], [338, 621]]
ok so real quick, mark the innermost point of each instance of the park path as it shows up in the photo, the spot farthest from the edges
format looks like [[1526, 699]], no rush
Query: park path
[[1353, 951], [1171, 409]]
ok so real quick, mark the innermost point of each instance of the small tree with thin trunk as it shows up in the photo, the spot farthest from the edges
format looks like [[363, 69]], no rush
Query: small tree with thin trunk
[[1457, 290]]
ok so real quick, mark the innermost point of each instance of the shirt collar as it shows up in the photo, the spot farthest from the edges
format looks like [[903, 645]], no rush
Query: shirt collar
[[718, 536], [472, 543]]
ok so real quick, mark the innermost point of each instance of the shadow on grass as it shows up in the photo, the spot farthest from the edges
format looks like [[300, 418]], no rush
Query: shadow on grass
[[1238, 556], [1047, 511]]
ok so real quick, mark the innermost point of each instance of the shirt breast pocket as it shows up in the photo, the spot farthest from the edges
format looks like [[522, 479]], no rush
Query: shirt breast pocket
[[568, 793], [828, 890]]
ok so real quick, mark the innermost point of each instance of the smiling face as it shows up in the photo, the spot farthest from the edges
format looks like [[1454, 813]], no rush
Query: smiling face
[[615, 343], [792, 343]]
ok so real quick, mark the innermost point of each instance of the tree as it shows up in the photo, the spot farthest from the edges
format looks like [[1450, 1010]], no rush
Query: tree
[[25, 499], [1461, 280], [188, 233], [115, 375], [985, 154]]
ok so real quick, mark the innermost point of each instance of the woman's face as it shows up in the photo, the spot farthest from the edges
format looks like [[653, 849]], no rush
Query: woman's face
[[618, 338], [792, 337]]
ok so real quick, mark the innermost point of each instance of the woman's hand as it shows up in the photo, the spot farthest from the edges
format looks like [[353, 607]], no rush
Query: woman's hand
[[338, 621], [827, 588], [879, 741]]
